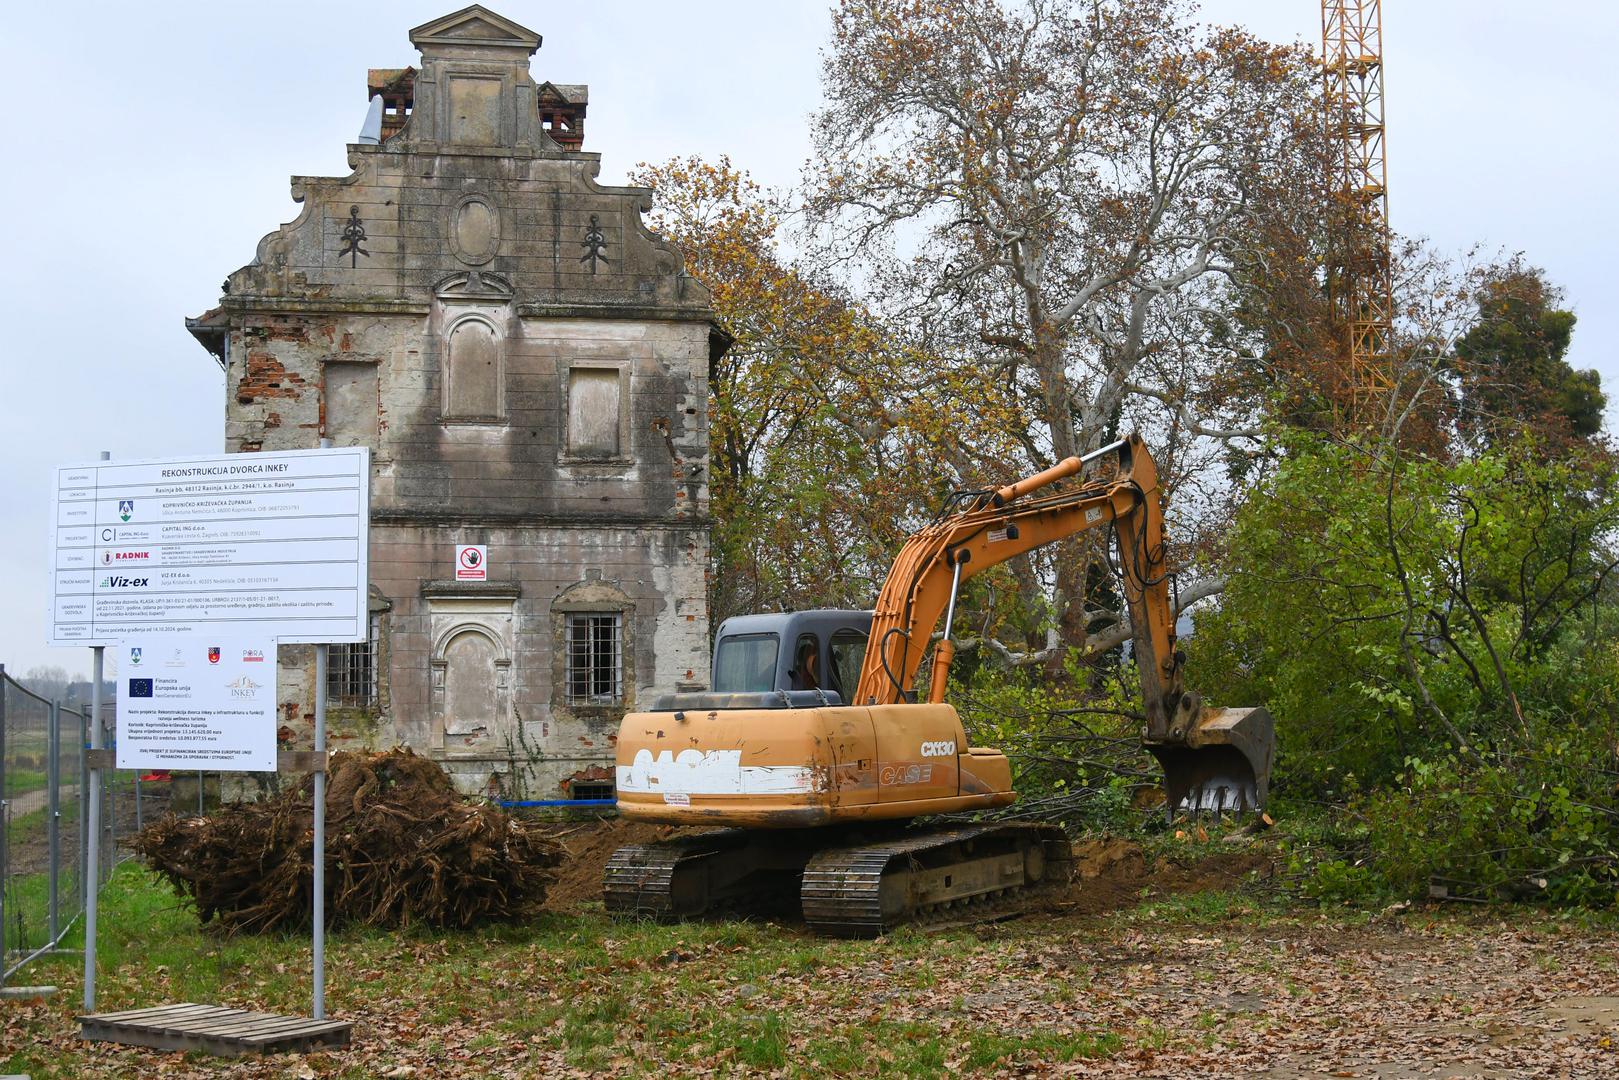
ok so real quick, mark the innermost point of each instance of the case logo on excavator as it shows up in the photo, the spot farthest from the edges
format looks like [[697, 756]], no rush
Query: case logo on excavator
[[713, 772], [946, 748]]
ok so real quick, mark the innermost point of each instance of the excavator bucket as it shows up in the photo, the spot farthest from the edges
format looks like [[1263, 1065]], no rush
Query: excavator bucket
[[1223, 764]]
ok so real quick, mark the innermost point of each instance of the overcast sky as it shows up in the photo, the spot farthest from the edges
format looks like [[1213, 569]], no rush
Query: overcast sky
[[150, 147]]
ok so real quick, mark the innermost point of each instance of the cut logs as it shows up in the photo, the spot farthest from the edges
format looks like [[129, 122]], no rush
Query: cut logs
[[402, 847]]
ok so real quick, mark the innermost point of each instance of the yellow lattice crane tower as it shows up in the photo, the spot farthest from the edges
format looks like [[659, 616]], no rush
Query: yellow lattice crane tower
[[1359, 278]]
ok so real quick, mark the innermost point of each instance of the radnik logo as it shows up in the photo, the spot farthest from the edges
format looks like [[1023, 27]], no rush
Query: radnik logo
[[126, 509]]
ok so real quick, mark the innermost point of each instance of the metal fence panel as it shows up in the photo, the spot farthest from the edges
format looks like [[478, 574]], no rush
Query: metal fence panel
[[44, 804], [42, 840], [27, 821]]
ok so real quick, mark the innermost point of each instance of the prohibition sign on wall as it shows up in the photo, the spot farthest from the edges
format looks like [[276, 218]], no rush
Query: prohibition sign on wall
[[471, 562]]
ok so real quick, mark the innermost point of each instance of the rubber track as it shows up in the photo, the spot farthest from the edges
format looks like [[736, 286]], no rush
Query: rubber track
[[639, 878], [841, 886]]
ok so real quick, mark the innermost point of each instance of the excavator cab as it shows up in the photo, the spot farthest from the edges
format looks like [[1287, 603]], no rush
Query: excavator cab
[[822, 649]]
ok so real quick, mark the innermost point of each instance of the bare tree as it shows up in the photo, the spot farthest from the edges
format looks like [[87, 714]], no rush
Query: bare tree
[[48, 681], [1057, 194]]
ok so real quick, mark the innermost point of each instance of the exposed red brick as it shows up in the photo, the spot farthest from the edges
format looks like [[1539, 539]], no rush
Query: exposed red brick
[[593, 774], [265, 377]]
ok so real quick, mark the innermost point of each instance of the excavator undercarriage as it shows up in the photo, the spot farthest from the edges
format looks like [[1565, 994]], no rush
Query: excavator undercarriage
[[846, 884]]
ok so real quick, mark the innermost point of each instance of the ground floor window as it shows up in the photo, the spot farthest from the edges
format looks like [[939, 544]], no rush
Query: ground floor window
[[351, 670], [595, 658]]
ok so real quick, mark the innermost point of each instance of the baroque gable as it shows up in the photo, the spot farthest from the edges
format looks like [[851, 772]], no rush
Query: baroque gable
[[471, 179]]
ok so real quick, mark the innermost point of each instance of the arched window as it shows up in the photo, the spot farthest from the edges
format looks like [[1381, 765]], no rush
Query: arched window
[[473, 371]]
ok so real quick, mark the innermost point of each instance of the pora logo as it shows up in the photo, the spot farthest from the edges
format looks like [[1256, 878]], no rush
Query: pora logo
[[120, 582], [939, 749]]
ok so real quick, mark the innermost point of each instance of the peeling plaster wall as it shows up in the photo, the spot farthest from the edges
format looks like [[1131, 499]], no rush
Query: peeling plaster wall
[[349, 325]]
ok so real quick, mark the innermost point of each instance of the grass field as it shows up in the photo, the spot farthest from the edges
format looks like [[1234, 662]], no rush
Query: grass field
[[1201, 984], [19, 781]]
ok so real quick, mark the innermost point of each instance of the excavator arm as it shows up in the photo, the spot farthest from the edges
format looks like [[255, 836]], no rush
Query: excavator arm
[[1212, 758]]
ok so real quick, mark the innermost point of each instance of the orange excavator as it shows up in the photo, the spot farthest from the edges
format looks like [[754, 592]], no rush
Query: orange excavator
[[813, 771]]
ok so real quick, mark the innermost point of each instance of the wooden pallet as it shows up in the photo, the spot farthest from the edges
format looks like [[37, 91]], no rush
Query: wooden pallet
[[214, 1029]]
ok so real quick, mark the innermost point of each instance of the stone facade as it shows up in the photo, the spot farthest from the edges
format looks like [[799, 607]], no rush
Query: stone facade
[[529, 367]]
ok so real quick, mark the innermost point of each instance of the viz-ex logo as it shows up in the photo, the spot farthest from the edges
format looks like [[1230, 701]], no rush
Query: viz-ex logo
[[118, 581], [140, 688]]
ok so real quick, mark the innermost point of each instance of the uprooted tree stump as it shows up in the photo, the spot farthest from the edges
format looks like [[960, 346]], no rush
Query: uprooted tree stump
[[402, 846]]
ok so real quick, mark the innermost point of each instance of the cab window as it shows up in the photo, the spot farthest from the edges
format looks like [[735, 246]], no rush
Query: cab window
[[848, 648], [746, 664], [806, 673]]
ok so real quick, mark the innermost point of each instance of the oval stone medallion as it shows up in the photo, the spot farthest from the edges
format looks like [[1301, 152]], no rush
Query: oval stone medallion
[[474, 230]]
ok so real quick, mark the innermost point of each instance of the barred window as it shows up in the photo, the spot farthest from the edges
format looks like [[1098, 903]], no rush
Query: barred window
[[591, 789], [351, 670], [595, 659]]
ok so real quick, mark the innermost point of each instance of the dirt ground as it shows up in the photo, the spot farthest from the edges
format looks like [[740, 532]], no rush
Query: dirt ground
[[1108, 874], [590, 844]]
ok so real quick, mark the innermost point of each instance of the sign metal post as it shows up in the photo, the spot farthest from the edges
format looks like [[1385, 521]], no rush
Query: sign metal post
[[92, 835], [318, 899]]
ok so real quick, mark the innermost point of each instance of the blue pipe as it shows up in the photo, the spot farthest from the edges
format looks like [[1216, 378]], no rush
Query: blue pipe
[[558, 802]]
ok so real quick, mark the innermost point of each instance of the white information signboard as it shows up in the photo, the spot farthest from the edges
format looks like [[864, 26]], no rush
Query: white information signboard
[[189, 702], [270, 544]]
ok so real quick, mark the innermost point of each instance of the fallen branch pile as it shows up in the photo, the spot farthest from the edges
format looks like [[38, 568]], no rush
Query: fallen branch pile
[[402, 846]]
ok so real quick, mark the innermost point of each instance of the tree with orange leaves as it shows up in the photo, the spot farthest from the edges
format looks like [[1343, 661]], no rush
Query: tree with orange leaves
[[832, 436]]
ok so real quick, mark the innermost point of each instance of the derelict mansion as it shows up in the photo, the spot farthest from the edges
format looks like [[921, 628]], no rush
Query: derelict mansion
[[529, 366]]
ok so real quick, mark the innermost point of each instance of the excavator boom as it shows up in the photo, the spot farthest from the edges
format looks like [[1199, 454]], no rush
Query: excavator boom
[[1213, 759]]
